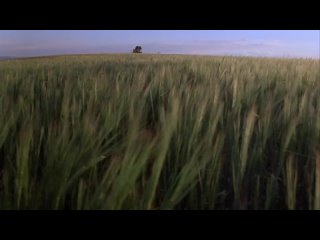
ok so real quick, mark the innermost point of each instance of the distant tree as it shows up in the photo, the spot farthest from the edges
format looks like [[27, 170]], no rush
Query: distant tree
[[137, 49]]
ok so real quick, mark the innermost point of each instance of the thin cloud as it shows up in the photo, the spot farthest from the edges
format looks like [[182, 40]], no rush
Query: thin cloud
[[238, 47], [216, 47]]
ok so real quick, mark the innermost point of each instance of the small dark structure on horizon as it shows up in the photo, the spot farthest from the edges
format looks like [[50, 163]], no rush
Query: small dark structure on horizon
[[137, 49]]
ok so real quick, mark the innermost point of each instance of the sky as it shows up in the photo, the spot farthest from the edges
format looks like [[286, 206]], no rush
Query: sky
[[264, 43]]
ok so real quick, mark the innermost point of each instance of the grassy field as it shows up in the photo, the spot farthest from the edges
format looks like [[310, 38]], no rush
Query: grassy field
[[159, 132]]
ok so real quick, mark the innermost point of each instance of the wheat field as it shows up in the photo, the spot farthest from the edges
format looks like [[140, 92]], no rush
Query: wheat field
[[152, 132]]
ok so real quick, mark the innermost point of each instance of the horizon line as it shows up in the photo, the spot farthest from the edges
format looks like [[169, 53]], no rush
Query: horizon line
[[156, 53]]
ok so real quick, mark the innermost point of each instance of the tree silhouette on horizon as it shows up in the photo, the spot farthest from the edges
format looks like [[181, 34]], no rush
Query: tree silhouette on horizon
[[137, 49]]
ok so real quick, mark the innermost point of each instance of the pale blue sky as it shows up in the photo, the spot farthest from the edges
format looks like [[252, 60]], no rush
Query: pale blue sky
[[273, 43]]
